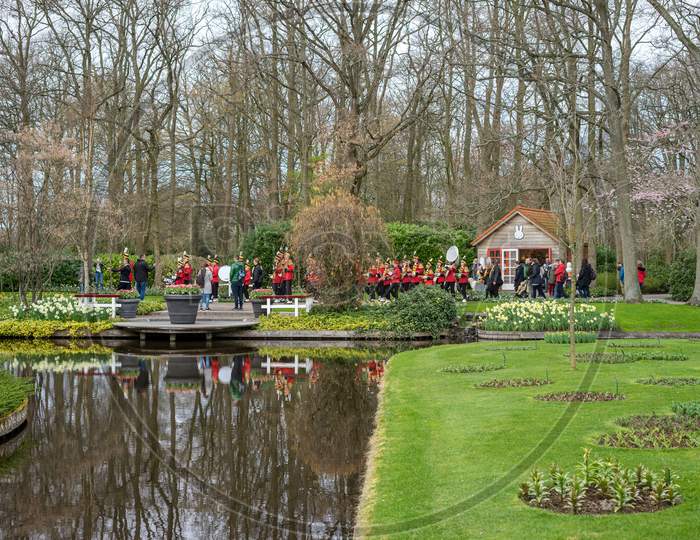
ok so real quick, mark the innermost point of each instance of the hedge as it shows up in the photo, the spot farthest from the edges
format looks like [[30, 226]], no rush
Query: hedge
[[429, 241], [683, 272]]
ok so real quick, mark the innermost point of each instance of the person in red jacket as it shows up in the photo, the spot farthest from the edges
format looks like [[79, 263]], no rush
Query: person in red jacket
[[372, 278], [179, 277], [247, 277], [277, 277], [186, 269], [641, 273], [451, 279], [429, 278], [440, 274], [288, 274], [214, 265], [406, 277], [560, 276], [418, 271], [463, 279]]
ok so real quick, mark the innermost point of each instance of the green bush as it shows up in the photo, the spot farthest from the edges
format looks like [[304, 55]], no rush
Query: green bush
[[658, 280], [606, 284], [606, 259], [683, 272], [422, 310], [429, 241], [687, 408], [563, 337], [263, 242]]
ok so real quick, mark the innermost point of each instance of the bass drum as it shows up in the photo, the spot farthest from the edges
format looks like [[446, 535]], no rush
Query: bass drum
[[225, 273]]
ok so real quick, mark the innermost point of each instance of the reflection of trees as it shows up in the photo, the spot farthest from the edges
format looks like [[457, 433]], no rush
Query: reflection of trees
[[332, 418], [111, 461]]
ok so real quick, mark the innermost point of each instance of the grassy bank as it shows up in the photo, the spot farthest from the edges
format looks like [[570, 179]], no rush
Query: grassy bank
[[647, 317], [448, 457], [13, 391]]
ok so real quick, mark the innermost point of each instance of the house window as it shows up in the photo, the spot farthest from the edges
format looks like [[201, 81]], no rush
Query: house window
[[494, 255]]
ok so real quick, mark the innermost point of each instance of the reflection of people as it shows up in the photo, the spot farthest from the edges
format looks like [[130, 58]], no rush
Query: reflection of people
[[236, 387], [143, 379]]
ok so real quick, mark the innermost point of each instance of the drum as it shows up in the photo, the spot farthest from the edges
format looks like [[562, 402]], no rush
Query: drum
[[224, 273]]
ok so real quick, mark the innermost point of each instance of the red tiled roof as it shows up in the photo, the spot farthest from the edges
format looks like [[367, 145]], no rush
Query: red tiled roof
[[546, 220]]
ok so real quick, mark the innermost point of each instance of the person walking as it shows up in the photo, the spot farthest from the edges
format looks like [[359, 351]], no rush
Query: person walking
[[585, 276], [236, 280], [258, 273], [536, 279], [641, 273], [141, 270], [203, 280], [494, 280], [99, 276], [559, 278]]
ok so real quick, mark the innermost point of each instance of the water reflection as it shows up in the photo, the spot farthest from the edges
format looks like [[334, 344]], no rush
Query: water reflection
[[250, 445]]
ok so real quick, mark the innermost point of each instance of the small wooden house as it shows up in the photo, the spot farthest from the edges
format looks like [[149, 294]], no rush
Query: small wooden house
[[523, 232]]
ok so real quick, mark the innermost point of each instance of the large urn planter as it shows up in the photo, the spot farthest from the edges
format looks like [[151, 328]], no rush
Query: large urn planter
[[182, 308], [257, 308], [128, 307]]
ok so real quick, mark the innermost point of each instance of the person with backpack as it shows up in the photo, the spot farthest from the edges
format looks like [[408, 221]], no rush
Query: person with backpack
[[236, 278], [536, 279], [203, 281], [585, 276], [549, 276]]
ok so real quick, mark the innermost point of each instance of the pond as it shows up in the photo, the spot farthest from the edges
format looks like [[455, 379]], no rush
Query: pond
[[244, 443]]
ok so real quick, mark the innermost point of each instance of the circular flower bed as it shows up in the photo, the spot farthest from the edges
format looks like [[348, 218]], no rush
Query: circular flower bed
[[601, 487], [514, 383], [543, 316], [654, 431], [580, 396]]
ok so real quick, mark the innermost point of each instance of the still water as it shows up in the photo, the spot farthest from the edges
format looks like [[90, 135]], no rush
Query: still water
[[258, 443]]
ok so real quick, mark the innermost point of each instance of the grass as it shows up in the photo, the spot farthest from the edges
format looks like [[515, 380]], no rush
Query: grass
[[13, 391], [440, 442], [646, 317]]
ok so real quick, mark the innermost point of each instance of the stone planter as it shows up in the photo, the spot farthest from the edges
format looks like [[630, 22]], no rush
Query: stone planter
[[182, 308], [128, 307], [257, 308]]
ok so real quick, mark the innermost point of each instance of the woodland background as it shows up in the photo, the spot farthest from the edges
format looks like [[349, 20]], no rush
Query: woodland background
[[169, 125]]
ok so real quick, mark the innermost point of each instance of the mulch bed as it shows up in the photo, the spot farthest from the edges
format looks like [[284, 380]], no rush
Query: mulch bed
[[595, 502], [514, 383], [580, 396]]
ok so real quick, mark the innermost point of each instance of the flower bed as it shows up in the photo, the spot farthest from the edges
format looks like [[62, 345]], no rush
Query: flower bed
[[654, 431], [670, 381], [580, 396], [544, 316], [601, 487], [514, 383], [478, 368], [625, 358], [563, 337], [59, 308], [46, 329]]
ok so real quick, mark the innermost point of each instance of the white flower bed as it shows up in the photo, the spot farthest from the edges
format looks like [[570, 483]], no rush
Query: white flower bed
[[59, 308], [540, 316]]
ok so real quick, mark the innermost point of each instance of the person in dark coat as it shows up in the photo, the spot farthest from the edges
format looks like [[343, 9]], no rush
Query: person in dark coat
[[125, 271], [494, 281], [536, 279], [519, 274], [141, 270], [584, 279], [258, 274]]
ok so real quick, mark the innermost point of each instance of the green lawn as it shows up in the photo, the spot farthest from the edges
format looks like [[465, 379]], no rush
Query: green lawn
[[652, 317], [450, 456]]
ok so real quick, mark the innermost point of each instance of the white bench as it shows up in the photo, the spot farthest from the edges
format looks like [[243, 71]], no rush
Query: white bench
[[295, 301], [90, 300]]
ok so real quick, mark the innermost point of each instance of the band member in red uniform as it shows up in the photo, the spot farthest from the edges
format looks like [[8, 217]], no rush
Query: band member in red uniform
[[406, 277], [277, 277], [463, 280], [395, 280], [372, 278], [186, 269], [288, 273], [381, 273], [179, 279], [429, 278], [451, 279], [214, 265], [440, 274], [418, 271]]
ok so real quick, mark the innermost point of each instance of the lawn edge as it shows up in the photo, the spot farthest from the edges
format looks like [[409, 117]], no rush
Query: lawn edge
[[375, 447]]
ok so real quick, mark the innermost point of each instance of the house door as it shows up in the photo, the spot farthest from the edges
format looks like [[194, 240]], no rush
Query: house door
[[510, 262]]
